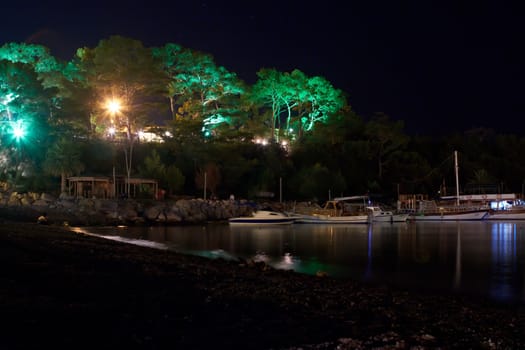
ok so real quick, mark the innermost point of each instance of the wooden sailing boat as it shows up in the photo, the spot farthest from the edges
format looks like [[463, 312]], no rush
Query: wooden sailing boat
[[339, 210], [443, 211]]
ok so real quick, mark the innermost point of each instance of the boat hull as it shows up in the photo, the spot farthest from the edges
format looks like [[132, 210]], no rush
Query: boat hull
[[378, 214], [453, 216], [506, 215], [391, 218], [263, 217], [250, 221], [325, 219]]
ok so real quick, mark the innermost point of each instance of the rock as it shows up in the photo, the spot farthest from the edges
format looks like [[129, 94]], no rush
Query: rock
[[40, 203], [106, 205], [47, 197], [172, 218], [152, 214], [65, 203], [26, 200], [82, 211]]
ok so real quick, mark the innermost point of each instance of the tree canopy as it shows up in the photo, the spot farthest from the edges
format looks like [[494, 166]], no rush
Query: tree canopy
[[242, 138]]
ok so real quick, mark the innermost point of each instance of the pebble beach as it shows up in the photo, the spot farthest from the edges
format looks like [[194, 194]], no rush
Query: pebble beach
[[61, 288]]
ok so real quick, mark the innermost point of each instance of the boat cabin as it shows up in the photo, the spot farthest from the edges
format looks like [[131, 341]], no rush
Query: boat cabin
[[341, 206]]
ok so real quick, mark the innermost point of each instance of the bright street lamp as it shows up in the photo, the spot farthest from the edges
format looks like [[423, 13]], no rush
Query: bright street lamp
[[113, 106]]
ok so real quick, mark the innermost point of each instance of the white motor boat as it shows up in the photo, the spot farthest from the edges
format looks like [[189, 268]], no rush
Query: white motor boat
[[378, 214], [263, 217]]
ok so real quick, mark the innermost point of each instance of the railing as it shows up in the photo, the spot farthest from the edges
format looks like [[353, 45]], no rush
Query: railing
[[454, 209]]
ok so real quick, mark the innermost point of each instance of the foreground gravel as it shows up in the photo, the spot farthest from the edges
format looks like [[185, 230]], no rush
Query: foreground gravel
[[59, 288]]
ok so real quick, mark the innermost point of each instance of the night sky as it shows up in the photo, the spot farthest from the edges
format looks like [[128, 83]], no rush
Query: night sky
[[437, 65]]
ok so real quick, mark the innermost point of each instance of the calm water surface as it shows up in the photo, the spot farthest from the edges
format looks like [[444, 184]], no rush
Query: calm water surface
[[481, 258]]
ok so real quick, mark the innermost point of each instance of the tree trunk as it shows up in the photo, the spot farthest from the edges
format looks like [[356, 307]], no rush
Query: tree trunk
[[62, 182], [172, 107]]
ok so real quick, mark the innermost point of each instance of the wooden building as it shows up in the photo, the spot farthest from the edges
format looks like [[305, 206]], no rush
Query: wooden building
[[107, 187]]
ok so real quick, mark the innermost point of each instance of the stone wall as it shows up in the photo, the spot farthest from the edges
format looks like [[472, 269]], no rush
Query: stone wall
[[89, 212]]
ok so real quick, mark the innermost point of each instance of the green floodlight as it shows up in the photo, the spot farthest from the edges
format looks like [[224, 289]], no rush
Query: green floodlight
[[18, 130], [205, 131]]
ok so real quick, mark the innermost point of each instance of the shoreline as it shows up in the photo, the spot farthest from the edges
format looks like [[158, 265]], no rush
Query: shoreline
[[74, 289]]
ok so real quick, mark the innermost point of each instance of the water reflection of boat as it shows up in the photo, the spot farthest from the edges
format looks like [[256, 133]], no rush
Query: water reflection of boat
[[262, 230], [470, 257], [263, 217]]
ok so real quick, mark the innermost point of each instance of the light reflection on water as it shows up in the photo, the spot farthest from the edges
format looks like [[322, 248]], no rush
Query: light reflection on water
[[504, 262], [482, 258]]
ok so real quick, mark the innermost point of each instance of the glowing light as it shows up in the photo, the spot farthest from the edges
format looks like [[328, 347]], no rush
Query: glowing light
[[215, 119], [8, 98], [18, 130], [114, 106], [260, 141]]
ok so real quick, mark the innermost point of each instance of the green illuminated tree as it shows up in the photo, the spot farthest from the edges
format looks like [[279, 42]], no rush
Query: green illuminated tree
[[169, 56], [24, 107], [270, 91], [22, 96], [201, 89], [316, 100], [36, 56], [296, 101], [60, 79], [77, 100]]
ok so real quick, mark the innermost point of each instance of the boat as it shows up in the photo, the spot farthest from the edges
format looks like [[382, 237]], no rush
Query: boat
[[432, 211], [449, 208], [506, 214], [263, 217], [379, 214], [335, 211], [505, 207]]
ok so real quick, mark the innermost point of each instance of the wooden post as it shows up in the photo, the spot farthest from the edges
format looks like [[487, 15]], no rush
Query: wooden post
[[204, 186]]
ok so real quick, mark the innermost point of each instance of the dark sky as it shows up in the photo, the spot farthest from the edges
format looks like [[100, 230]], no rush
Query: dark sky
[[437, 65]]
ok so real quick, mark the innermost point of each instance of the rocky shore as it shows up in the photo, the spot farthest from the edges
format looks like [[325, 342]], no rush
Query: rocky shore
[[60, 288], [95, 211]]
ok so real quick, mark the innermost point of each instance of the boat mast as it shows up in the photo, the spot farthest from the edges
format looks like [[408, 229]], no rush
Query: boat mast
[[457, 178]]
